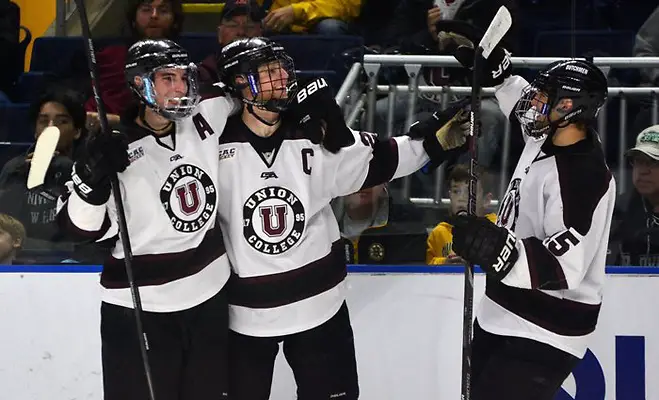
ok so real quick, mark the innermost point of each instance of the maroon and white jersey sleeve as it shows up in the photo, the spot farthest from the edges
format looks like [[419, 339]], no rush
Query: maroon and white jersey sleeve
[[369, 162], [575, 226]]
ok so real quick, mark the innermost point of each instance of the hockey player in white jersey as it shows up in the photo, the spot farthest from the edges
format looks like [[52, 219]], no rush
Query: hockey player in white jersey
[[278, 176], [545, 257], [166, 158]]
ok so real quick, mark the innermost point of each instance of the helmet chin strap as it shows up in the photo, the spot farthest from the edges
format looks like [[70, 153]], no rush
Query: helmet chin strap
[[142, 115], [250, 109]]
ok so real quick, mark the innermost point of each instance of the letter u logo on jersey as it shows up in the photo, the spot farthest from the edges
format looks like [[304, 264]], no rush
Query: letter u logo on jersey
[[273, 220], [188, 197], [509, 207]]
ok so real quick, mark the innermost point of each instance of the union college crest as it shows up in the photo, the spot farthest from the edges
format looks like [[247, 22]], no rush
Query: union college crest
[[509, 208], [273, 220], [188, 197]]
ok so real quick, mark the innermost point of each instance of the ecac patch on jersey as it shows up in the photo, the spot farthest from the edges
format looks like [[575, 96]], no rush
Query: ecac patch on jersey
[[227, 153], [273, 220], [135, 153], [189, 198]]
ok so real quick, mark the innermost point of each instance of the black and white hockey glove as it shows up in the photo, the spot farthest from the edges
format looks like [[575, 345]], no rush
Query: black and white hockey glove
[[460, 40], [320, 116], [444, 133], [479, 241], [105, 155]]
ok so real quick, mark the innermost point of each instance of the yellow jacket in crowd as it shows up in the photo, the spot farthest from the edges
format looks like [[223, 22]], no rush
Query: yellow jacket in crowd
[[440, 242], [308, 13]]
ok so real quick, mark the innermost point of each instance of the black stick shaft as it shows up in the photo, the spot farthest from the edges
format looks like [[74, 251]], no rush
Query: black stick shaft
[[116, 191], [468, 305]]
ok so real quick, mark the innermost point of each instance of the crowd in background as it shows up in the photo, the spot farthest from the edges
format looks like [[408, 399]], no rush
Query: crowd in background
[[379, 225]]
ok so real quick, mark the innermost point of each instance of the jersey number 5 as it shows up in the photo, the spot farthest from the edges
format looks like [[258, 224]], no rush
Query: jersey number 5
[[561, 243], [368, 139]]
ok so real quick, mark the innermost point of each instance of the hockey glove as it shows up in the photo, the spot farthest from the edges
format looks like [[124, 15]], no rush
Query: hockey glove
[[460, 41], [320, 116], [105, 155], [444, 133], [479, 241]]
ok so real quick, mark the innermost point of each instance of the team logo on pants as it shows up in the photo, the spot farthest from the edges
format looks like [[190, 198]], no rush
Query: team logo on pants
[[273, 220], [188, 197]]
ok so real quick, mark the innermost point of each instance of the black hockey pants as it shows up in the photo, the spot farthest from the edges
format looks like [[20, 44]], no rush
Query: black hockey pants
[[187, 352], [514, 368], [322, 360]]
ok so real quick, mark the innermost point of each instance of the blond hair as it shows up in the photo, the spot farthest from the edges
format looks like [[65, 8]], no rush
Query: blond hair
[[13, 227]]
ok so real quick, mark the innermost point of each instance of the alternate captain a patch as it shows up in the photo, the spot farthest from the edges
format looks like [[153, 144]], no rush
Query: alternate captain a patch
[[189, 198], [273, 220]]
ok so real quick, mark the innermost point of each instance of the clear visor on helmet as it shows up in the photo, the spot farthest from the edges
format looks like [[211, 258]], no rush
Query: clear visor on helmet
[[172, 90], [533, 110], [272, 84]]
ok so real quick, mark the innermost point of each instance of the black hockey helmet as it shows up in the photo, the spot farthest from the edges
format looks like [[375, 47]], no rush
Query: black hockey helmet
[[581, 81], [265, 68], [144, 59]]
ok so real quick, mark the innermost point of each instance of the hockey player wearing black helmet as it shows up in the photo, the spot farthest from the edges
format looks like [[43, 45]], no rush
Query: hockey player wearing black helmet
[[165, 155], [545, 257], [283, 160]]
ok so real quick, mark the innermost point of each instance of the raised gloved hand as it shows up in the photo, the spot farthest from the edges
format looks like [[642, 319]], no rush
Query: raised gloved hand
[[444, 133], [479, 241], [461, 39], [105, 155], [320, 116]]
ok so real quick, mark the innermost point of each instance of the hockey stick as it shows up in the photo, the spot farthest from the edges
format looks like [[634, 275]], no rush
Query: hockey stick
[[42, 156], [116, 191], [495, 32]]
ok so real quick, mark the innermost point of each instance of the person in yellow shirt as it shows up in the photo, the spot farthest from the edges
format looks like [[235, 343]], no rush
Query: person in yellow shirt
[[325, 17], [439, 246]]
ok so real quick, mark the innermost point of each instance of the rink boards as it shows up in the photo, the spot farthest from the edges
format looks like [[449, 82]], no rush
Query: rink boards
[[407, 322]]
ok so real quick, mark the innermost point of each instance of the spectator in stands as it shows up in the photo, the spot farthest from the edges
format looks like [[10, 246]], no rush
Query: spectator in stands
[[36, 208], [239, 19], [372, 216], [12, 235], [635, 241], [647, 45], [359, 211], [440, 240], [415, 30], [145, 19], [323, 17]]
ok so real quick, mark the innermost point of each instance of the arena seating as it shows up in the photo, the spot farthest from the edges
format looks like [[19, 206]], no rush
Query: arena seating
[[327, 56]]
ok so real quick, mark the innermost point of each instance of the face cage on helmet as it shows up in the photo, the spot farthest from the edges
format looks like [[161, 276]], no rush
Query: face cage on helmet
[[254, 84], [532, 111], [533, 114], [186, 105]]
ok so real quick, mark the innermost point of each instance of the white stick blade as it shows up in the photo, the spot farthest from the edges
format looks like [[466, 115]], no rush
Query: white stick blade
[[43, 154], [495, 32]]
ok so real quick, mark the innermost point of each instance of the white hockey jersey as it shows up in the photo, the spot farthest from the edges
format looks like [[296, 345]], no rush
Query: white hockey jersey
[[170, 196], [281, 234], [559, 204]]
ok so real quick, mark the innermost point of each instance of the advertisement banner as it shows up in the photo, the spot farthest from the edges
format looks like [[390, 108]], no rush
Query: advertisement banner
[[408, 334]]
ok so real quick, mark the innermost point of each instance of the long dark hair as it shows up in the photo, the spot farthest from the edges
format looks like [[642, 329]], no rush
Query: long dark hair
[[73, 101]]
